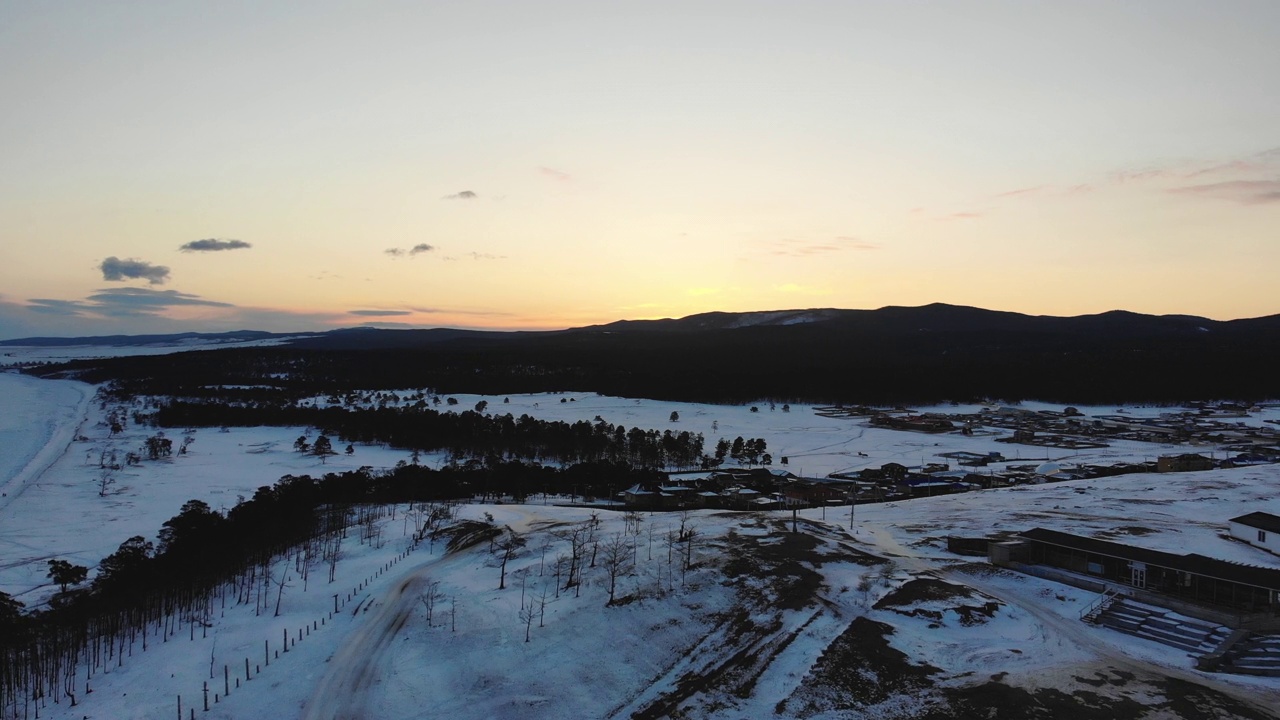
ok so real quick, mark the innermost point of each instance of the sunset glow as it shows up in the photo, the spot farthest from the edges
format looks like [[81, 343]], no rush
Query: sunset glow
[[547, 165]]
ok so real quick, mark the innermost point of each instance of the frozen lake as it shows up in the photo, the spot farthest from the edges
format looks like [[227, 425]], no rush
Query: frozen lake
[[38, 419]]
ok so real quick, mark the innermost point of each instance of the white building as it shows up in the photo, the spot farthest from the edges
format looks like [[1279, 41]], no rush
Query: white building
[[1259, 529]]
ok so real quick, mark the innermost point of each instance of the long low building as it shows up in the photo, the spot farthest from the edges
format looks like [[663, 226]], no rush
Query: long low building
[[1192, 578]]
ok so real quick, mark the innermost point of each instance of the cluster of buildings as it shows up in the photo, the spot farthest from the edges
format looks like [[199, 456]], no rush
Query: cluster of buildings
[[1201, 423], [771, 489]]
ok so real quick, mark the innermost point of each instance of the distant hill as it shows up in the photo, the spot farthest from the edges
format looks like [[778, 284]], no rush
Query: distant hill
[[893, 354], [188, 338]]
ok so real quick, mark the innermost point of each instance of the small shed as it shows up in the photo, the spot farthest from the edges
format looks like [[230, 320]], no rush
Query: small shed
[[1259, 529]]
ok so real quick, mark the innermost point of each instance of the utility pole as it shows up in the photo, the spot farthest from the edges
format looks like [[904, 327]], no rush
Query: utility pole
[[853, 503]]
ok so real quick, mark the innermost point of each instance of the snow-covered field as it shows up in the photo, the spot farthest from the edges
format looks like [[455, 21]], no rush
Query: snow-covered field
[[674, 643], [22, 354]]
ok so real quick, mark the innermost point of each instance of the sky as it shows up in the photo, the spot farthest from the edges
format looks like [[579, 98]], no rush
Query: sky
[[505, 164]]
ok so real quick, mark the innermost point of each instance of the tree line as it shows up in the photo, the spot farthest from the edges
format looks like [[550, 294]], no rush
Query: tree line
[[148, 592], [470, 437]]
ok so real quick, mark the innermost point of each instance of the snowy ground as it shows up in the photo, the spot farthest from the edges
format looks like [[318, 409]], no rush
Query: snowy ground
[[22, 354], [815, 445], [723, 643]]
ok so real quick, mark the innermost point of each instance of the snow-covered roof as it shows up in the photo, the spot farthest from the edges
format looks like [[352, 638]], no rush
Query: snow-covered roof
[[1259, 520]]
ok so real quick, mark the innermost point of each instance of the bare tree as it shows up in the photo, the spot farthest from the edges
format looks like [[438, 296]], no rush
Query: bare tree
[[527, 614], [106, 478], [430, 598], [506, 547], [282, 583], [617, 562]]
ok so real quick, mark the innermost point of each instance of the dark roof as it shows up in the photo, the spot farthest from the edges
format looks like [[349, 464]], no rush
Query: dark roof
[[1262, 577], [1260, 520]]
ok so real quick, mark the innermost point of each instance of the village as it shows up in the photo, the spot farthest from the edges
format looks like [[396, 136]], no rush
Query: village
[[1202, 425], [1225, 614]]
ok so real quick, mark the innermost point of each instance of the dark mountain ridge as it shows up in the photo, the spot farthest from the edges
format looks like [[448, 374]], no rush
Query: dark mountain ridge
[[894, 354]]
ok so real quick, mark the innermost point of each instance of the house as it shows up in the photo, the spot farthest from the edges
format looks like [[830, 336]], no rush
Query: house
[[1186, 462], [1194, 579], [1259, 529], [637, 496], [813, 492]]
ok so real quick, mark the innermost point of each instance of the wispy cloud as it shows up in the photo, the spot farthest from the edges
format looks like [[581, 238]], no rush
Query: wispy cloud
[[140, 301], [457, 311], [73, 308], [1142, 174], [379, 313], [1023, 191], [553, 174], [394, 252], [421, 248], [214, 245], [474, 256], [964, 216], [464, 195], [1246, 192], [792, 247], [121, 302], [1227, 168], [116, 270]]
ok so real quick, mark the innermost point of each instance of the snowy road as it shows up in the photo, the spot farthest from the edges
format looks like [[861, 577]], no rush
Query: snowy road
[[343, 692]]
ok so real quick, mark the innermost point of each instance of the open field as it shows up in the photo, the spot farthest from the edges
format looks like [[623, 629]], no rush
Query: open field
[[761, 622]]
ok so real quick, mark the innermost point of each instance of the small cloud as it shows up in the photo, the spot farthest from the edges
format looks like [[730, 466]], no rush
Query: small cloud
[[214, 245], [73, 308], [421, 248], [475, 256], [854, 243], [790, 247], [379, 313], [394, 252], [1246, 192], [1022, 191], [464, 195], [1151, 173], [553, 174], [140, 301], [1227, 168], [455, 311], [116, 270]]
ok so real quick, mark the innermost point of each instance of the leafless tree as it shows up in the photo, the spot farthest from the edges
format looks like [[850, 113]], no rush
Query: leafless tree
[[106, 478], [617, 562], [527, 614], [281, 584], [430, 598], [506, 547]]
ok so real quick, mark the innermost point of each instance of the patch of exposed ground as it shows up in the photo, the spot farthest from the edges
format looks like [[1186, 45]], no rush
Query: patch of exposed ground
[[938, 594], [858, 670], [779, 590]]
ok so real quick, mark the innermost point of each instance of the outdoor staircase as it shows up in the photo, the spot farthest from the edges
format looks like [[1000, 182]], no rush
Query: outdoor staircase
[[1145, 621], [1255, 655]]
